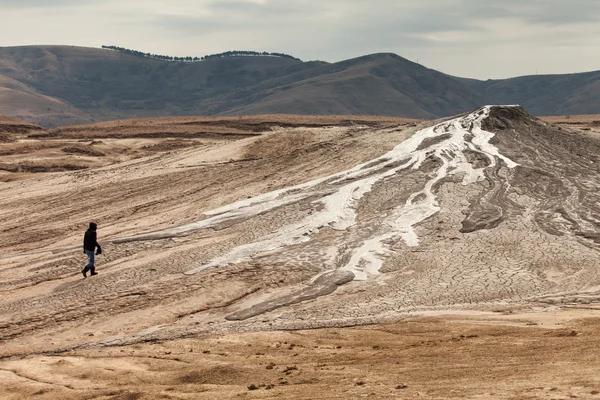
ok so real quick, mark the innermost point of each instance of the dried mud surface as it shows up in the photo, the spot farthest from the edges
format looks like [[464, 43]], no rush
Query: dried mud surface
[[217, 246], [28, 150], [497, 356]]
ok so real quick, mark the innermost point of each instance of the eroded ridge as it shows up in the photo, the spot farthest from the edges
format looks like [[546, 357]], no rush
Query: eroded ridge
[[336, 197]]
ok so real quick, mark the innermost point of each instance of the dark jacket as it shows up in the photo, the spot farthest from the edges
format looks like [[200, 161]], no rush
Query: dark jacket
[[89, 241]]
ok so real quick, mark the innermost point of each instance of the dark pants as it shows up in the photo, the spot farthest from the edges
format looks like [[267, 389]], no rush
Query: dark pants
[[92, 258]]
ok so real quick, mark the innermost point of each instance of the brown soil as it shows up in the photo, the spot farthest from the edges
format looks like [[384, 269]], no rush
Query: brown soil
[[82, 150], [587, 124], [572, 119], [450, 357], [10, 128], [41, 167], [5, 137], [210, 127], [506, 310], [170, 144], [35, 151]]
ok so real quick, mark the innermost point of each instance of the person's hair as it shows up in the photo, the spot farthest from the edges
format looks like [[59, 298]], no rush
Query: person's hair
[[93, 225]]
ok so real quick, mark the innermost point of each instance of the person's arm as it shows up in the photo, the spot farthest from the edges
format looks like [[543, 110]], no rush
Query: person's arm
[[84, 238]]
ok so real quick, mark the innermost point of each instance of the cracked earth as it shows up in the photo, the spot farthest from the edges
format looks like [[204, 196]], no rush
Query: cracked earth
[[303, 228]]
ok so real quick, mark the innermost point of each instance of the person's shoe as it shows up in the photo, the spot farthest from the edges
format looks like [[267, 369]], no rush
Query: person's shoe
[[84, 272], [93, 273]]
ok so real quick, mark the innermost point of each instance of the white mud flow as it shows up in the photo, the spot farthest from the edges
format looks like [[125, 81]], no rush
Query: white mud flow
[[338, 196]]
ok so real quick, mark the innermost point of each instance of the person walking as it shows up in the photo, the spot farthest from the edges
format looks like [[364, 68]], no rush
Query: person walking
[[90, 243]]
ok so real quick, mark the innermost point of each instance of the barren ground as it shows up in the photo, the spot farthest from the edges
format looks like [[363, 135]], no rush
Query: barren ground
[[587, 124], [496, 356], [497, 298]]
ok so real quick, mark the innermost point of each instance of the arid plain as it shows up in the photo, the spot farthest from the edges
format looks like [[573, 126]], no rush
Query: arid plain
[[303, 257]]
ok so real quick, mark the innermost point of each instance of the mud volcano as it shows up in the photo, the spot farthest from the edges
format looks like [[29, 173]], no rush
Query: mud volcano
[[491, 208]]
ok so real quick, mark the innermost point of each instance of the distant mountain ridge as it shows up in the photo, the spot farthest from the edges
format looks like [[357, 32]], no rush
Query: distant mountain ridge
[[62, 85], [233, 53]]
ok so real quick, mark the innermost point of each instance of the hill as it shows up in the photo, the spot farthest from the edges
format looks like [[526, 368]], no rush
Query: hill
[[61, 85], [21, 101], [545, 94], [110, 85], [232, 266], [379, 84]]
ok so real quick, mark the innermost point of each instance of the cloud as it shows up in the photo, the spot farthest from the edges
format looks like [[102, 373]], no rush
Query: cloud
[[32, 4], [480, 38], [556, 12], [266, 9]]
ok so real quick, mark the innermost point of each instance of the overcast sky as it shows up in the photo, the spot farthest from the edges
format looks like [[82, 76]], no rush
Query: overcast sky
[[472, 38]]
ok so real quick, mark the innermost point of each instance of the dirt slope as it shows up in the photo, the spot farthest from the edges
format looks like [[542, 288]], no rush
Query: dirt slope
[[30, 151], [21, 101], [492, 215], [10, 128]]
